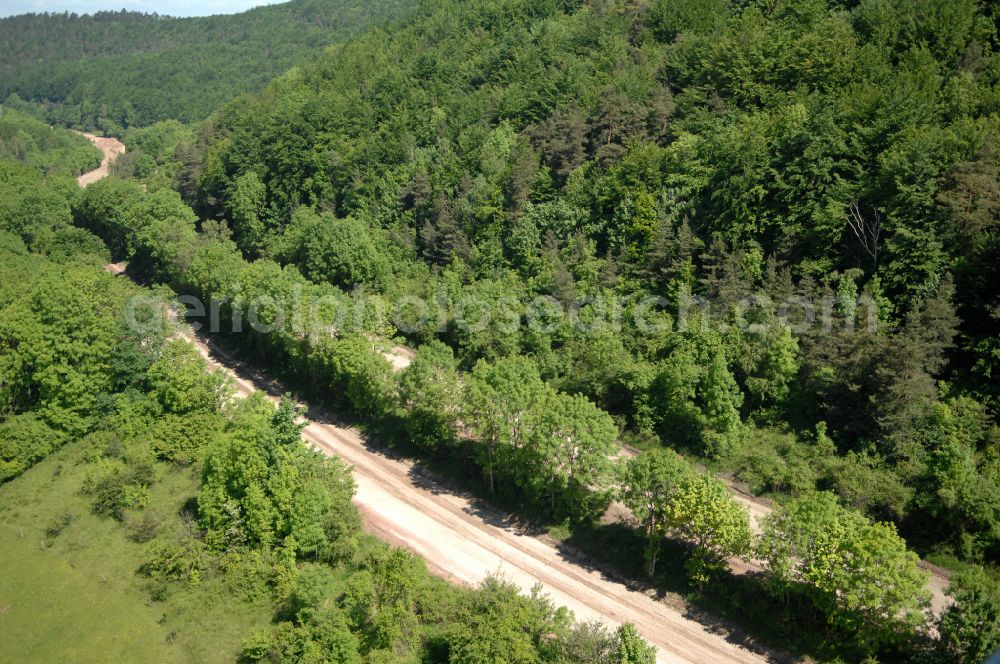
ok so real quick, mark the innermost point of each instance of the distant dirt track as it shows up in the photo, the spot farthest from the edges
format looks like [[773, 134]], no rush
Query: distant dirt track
[[111, 147]]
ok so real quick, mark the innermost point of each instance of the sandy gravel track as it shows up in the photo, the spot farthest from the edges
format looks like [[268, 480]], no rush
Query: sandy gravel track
[[111, 147], [464, 541]]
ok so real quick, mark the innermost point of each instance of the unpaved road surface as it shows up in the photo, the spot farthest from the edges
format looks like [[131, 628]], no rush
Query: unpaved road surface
[[400, 357], [111, 147], [465, 542]]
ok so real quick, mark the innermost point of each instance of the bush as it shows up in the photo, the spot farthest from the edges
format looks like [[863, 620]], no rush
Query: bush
[[183, 439], [24, 440], [257, 644], [970, 628], [181, 561], [143, 528], [125, 487], [58, 524]]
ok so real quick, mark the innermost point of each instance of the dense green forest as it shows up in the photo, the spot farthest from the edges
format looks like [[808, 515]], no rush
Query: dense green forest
[[758, 238], [113, 70], [550, 447], [677, 149], [28, 140]]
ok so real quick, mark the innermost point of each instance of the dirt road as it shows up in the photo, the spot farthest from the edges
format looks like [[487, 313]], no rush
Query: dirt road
[[111, 147], [464, 541], [400, 357]]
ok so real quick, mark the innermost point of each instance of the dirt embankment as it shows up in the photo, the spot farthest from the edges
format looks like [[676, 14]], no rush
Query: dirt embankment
[[111, 147]]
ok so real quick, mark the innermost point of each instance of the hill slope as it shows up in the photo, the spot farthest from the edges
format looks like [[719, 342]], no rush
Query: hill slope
[[48, 149], [116, 69], [574, 149]]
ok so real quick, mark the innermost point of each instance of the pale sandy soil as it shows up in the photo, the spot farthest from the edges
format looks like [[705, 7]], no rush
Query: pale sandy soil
[[111, 147], [400, 357]]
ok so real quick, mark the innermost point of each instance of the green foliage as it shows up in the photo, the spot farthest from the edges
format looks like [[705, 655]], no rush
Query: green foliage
[[777, 160], [57, 351], [430, 390], [121, 490], [112, 70], [380, 600], [180, 383], [338, 251], [630, 648], [722, 399], [970, 627], [567, 446], [702, 511], [157, 227], [504, 151], [245, 208], [859, 574], [648, 486], [553, 445], [49, 150], [263, 489], [359, 372], [702, 150], [89, 571], [503, 626], [270, 517], [499, 396], [24, 440], [36, 208], [183, 439]]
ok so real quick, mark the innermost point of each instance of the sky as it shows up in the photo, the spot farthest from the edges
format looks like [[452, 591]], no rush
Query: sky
[[168, 7]]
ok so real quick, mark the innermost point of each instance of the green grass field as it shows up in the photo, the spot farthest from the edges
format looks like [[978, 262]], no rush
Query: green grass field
[[75, 596]]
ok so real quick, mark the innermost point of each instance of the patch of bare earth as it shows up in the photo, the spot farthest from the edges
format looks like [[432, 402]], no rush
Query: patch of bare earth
[[111, 147]]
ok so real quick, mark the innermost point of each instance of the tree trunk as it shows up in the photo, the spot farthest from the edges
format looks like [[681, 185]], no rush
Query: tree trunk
[[490, 464], [652, 550]]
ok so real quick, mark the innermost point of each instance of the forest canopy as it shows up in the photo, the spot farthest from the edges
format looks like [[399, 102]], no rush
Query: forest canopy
[[113, 70], [752, 152], [30, 141], [606, 211]]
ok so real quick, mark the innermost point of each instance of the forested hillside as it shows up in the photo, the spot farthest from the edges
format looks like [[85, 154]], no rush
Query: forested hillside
[[148, 514], [112, 70], [517, 166], [798, 149], [754, 240], [28, 140]]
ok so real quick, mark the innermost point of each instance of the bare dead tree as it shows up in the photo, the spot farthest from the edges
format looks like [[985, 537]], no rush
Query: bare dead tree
[[868, 232]]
